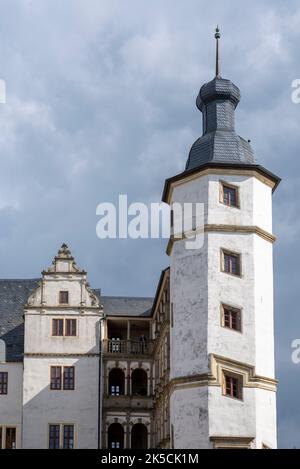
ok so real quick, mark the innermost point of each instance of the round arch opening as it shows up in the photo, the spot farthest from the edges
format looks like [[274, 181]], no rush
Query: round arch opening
[[139, 382], [115, 436], [139, 436], [116, 382]]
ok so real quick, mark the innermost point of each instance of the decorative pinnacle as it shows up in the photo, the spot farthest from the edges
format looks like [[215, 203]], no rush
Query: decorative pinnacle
[[217, 36], [64, 252]]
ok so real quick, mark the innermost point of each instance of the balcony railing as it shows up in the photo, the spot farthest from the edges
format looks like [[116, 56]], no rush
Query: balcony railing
[[127, 347]]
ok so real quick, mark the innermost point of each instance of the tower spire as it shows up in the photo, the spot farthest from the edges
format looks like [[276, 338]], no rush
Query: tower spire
[[217, 36]]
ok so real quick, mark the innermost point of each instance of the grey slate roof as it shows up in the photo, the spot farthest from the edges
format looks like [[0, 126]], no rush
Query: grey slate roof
[[127, 306], [13, 296], [220, 146], [219, 143]]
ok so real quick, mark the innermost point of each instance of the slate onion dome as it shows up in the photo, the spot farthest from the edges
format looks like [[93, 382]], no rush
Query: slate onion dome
[[219, 142]]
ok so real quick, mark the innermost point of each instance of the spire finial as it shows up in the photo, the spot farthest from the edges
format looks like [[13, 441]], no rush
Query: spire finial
[[217, 36]]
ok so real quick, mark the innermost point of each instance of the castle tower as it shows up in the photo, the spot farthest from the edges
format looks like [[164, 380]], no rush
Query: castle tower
[[223, 389]]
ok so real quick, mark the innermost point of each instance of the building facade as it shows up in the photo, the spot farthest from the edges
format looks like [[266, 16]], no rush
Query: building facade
[[191, 368]]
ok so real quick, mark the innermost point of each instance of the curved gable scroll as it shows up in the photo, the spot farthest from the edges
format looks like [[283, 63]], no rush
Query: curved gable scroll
[[35, 298]]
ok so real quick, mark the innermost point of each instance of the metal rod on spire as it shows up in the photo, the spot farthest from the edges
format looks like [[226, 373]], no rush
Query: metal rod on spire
[[217, 36]]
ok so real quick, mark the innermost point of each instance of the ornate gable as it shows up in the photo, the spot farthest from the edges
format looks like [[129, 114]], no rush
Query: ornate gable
[[64, 263]]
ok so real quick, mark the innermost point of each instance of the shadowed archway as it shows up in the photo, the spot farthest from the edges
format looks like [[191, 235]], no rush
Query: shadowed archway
[[139, 380], [116, 382], [115, 436], [139, 436]]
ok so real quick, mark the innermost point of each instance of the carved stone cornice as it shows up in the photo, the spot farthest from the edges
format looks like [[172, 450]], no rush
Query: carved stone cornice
[[218, 364], [221, 228]]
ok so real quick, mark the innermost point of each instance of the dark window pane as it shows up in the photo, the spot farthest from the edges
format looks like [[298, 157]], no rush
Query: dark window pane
[[54, 436], [57, 327], [231, 263], [55, 377], [232, 387], [3, 382], [10, 438], [70, 327], [230, 196], [232, 319], [64, 297], [227, 262], [68, 436], [69, 375]]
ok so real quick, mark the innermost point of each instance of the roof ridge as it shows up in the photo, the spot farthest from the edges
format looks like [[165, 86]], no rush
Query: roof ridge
[[129, 297], [20, 279]]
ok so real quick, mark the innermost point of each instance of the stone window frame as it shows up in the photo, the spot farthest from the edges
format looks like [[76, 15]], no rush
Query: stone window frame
[[239, 377], [60, 295], [229, 252], [71, 378], [3, 435], [64, 320], [234, 309], [231, 442], [65, 327], [62, 378], [61, 426], [218, 364], [230, 186]]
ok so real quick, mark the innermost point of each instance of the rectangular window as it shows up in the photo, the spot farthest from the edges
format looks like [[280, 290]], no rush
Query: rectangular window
[[115, 445], [233, 385], [54, 436], [115, 390], [57, 327], [229, 195], [115, 345], [3, 382], [68, 436], [69, 378], [231, 263], [64, 297], [10, 438], [70, 327], [55, 383], [231, 318]]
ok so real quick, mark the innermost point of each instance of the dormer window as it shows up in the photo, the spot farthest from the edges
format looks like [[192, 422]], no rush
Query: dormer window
[[63, 297]]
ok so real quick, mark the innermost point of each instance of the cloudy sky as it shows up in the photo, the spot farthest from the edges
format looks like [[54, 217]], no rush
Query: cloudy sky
[[101, 101]]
